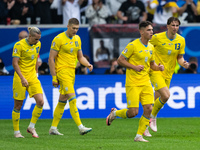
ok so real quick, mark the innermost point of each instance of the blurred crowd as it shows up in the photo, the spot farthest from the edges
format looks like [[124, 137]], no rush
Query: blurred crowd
[[97, 11], [15, 12]]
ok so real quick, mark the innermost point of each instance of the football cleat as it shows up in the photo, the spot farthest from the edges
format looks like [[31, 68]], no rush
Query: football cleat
[[54, 132], [84, 130], [33, 132], [140, 139], [18, 135], [153, 125], [147, 133], [110, 117]]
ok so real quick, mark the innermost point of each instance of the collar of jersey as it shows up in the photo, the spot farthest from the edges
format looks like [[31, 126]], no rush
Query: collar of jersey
[[69, 37]]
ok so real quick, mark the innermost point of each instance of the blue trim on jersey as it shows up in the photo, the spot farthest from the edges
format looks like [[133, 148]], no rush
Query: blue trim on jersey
[[27, 42], [124, 56], [54, 50], [142, 43], [168, 37], [146, 117], [74, 97], [16, 57], [69, 37]]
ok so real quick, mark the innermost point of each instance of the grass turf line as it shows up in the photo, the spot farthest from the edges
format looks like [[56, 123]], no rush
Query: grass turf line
[[173, 134]]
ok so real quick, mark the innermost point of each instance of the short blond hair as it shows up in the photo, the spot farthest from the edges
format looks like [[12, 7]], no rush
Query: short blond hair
[[33, 30]]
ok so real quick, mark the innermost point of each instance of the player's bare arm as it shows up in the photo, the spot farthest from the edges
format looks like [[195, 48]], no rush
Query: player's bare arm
[[123, 62], [156, 67], [52, 57], [18, 71], [84, 61], [182, 61]]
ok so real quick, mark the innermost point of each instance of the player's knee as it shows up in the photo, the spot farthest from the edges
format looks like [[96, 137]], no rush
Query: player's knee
[[165, 97], [18, 107], [40, 103], [132, 114]]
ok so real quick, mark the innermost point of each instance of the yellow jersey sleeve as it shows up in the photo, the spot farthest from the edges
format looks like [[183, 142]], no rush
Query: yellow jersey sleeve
[[56, 43], [16, 50], [128, 51]]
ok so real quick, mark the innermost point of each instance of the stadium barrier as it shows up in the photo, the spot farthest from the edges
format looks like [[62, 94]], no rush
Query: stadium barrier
[[97, 94]]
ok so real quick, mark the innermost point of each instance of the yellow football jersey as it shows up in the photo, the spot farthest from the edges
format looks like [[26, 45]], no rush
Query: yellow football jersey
[[137, 53], [67, 50], [27, 55], [167, 50]]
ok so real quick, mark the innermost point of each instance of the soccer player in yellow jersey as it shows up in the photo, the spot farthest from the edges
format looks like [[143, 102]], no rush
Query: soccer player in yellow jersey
[[65, 48], [169, 48], [25, 54], [138, 58]]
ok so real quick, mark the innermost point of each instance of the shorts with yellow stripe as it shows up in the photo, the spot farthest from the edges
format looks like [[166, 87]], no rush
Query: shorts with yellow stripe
[[136, 94], [19, 91], [66, 78], [159, 81]]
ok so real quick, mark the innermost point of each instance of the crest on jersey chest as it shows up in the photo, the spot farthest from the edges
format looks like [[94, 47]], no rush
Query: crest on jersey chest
[[169, 52]]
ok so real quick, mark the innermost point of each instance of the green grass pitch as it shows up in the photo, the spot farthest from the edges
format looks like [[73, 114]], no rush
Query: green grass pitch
[[173, 134]]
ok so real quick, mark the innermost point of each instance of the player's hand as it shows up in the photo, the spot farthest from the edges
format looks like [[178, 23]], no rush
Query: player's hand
[[161, 67], [24, 82], [90, 67], [55, 81], [139, 68], [185, 64]]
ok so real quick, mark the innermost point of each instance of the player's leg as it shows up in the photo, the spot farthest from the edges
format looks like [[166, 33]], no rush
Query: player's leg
[[147, 99], [35, 91], [75, 114], [161, 86], [64, 80], [58, 113], [19, 96], [132, 104], [16, 117]]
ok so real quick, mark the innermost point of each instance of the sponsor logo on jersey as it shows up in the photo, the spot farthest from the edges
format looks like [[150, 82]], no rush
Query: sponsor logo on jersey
[[125, 50], [15, 50], [169, 52], [54, 43]]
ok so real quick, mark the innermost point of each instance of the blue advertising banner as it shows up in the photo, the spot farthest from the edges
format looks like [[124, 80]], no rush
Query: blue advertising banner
[[97, 94]]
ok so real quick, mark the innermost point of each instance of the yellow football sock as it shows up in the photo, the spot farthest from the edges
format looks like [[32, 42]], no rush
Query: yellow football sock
[[37, 111], [58, 112], [143, 124], [74, 111], [157, 106], [15, 119], [121, 113]]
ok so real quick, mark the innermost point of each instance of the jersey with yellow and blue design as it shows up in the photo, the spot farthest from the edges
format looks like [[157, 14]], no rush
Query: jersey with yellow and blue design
[[137, 53], [27, 55], [166, 51], [67, 50]]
